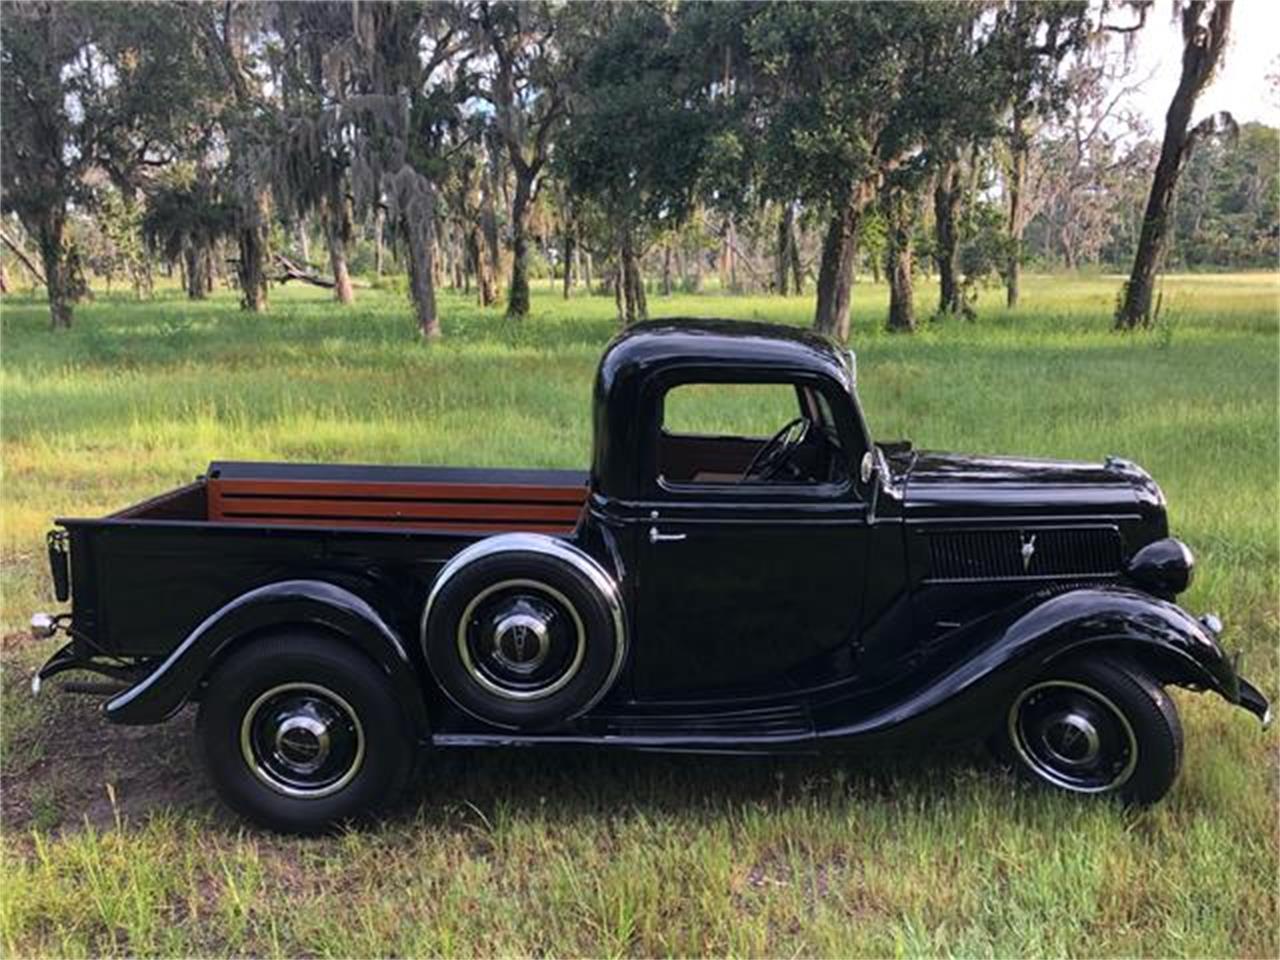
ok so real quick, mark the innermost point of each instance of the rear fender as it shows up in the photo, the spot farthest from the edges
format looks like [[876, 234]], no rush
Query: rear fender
[[311, 603]]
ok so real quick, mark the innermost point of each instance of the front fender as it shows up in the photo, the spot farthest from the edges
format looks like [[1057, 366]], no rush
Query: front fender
[[1161, 635], [309, 602], [972, 677]]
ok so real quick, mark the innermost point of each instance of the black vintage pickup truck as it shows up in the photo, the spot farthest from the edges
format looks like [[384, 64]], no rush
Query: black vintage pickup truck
[[809, 590]]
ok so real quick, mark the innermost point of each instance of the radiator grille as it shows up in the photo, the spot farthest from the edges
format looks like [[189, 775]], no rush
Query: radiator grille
[[1014, 554]]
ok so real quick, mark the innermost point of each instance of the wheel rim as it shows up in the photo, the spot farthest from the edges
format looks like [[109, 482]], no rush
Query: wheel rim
[[302, 740], [1073, 736], [521, 640]]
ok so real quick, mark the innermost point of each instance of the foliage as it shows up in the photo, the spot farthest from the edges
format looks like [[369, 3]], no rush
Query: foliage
[[85, 89]]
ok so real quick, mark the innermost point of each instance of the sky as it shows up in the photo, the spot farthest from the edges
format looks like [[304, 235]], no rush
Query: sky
[[1240, 85]]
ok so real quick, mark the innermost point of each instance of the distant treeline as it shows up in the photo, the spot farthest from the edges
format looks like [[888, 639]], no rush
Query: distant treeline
[[628, 148]]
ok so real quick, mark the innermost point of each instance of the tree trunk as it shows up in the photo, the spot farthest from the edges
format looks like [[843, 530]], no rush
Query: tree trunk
[[782, 253], [1019, 147], [437, 255], [1203, 46], [1068, 249], [489, 224], [485, 293], [587, 264], [797, 272], [422, 268], [728, 252], [636, 307], [666, 270], [570, 250], [835, 273], [521, 208], [458, 254], [339, 232], [946, 205], [899, 209], [379, 225], [304, 241], [49, 234], [254, 252], [195, 263], [74, 279], [577, 258]]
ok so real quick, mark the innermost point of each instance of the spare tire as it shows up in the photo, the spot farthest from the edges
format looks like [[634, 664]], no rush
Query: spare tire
[[523, 631]]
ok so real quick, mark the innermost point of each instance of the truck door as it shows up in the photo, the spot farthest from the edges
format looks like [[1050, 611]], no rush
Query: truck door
[[752, 543]]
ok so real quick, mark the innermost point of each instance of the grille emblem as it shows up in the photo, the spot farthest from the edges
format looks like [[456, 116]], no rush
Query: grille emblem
[[1028, 551]]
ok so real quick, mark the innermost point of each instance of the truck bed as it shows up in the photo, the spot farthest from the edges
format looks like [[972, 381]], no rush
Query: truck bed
[[144, 577], [378, 497]]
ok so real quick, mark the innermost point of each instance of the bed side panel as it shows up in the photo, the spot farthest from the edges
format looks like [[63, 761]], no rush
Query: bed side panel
[[157, 581]]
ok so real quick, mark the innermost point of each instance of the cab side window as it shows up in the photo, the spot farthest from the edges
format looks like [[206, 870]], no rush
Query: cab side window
[[747, 433]]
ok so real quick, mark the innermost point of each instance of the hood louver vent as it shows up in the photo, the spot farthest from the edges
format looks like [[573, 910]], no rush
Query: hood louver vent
[[1024, 554]]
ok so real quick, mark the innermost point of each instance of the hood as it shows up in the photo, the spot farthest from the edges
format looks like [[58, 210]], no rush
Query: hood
[[965, 487]]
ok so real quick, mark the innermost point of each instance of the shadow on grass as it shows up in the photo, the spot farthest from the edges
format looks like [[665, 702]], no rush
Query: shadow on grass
[[65, 766]]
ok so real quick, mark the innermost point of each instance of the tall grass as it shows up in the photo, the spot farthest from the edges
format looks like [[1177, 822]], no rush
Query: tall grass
[[621, 856]]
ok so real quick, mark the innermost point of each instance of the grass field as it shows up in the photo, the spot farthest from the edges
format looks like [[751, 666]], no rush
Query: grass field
[[112, 843]]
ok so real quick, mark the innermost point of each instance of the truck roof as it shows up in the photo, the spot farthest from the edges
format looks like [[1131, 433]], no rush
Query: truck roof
[[712, 342]]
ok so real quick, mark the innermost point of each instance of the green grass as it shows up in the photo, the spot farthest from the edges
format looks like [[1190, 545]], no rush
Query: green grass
[[592, 855]]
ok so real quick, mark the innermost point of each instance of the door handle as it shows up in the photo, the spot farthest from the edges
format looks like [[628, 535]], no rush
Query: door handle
[[656, 537]]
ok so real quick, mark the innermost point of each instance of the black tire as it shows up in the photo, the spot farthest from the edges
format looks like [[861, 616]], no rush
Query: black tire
[[1100, 726], [288, 702], [522, 640]]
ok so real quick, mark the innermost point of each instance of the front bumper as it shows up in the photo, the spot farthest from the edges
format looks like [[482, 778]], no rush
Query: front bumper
[[1252, 699], [1247, 695]]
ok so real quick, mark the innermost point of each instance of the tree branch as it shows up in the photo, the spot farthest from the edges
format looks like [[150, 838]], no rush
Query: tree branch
[[22, 255]]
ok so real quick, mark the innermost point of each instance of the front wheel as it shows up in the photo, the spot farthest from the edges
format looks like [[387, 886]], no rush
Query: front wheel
[[1096, 727], [300, 732]]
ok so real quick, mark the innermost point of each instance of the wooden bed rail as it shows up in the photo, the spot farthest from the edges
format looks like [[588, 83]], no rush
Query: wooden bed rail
[[427, 505]]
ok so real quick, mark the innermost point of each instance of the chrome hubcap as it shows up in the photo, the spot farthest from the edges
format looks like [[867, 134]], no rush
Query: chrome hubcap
[[302, 740], [1073, 737], [521, 640]]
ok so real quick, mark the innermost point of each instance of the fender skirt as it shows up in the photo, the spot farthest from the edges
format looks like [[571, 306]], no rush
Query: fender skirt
[[977, 670], [312, 602]]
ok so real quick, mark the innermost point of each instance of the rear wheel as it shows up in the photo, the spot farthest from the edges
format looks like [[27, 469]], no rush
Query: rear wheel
[[1096, 727], [300, 732]]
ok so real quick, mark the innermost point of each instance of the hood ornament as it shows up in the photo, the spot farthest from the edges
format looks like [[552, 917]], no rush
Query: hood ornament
[[1028, 551]]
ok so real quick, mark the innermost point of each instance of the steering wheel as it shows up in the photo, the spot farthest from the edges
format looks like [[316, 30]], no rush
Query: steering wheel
[[771, 457]]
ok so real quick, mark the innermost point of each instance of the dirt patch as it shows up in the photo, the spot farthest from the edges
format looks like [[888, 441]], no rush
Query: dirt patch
[[64, 764], [15, 640]]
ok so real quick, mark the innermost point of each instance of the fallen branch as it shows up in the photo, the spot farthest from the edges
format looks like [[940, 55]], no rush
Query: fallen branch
[[296, 271], [22, 255]]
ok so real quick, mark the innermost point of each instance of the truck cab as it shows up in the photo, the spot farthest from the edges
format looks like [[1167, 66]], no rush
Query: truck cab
[[750, 553]]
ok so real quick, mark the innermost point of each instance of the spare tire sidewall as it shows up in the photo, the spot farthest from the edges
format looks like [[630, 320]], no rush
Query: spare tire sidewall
[[600, 644]]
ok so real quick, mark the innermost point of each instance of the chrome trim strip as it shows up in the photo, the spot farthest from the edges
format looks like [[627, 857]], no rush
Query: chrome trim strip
[[577, 558]]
